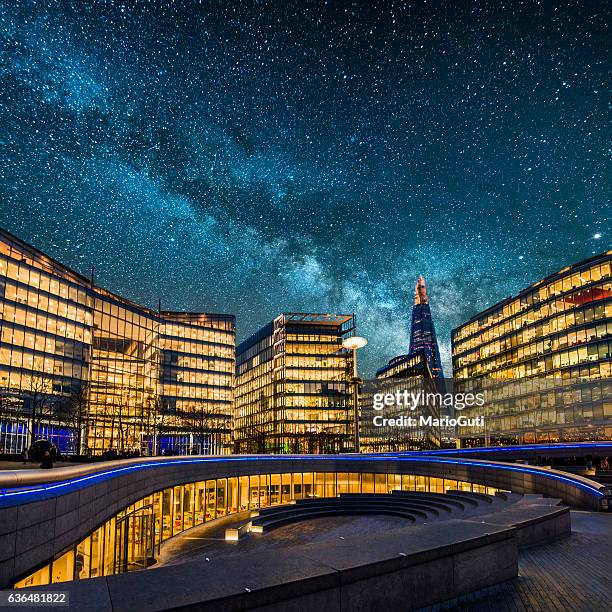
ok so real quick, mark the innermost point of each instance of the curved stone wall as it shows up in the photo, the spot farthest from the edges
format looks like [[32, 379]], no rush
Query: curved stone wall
[[42, 513]]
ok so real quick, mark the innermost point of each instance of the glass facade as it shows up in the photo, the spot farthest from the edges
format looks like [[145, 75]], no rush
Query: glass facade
[[292, 393], [124, 372], [403, 373], [422, 332], [544, 358], [197, 378], [86, 368], [131, 539]]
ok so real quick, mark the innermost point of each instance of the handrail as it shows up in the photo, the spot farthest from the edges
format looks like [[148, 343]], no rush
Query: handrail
[[534, 449]]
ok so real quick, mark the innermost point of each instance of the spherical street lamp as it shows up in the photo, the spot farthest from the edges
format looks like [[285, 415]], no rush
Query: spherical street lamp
[[352, 344]]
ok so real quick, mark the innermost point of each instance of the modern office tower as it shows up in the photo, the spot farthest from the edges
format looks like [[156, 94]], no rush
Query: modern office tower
[[197, 380], [544, 359], [292, 393], [409, 373], [422, 334], [83, 367], [46, 322]]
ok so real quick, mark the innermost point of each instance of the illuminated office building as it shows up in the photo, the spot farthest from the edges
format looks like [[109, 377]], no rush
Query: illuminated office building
[[544, 359], [197, 354], [406, 366], [291, 391], [404, 373], [79, 364]]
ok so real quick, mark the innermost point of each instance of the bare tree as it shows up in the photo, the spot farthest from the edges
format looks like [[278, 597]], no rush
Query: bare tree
[[160, 423], [318, 442], [41, 405], [109, 410], [295, 445], [121, 409], [150, 421], [255, 438], [260, 428], [117, 410], [11, 410], [8, 410], [74, 415], [331, 442], [202, 424]]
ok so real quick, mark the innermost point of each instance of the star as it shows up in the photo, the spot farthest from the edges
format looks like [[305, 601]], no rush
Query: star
[[253, 158]]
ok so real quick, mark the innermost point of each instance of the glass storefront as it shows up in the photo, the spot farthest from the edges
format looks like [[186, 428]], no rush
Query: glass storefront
[[131, 539]]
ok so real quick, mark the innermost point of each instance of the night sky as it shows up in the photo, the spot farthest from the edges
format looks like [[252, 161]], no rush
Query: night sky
[[260, 157]]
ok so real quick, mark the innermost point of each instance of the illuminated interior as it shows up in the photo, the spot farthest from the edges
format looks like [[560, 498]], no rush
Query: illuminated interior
[[292, 393], [558, 333], [131, 539], [94, 372]]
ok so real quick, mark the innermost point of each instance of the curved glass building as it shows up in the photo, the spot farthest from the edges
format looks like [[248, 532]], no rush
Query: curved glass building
[[92, 371]]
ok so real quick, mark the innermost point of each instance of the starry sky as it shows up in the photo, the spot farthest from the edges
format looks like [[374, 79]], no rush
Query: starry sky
[[257, 157]]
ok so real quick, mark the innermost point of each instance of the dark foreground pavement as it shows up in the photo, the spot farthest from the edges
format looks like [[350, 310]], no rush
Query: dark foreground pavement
[[571, 574]]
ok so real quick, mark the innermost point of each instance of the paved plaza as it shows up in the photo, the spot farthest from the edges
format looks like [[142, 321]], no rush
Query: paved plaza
[[570, 574]]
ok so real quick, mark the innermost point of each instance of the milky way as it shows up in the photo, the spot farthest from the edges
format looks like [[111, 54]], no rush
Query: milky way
[[261, 157]]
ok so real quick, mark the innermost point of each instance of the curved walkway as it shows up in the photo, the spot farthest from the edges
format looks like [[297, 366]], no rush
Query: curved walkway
[[19, 487], [529, 452]]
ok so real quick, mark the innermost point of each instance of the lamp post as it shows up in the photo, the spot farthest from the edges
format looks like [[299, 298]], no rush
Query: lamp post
[[353, 343]]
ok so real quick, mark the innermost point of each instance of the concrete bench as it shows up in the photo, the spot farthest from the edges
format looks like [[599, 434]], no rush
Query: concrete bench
[[429, 503], [450, 500], [273, 522], [282, 511], [425, 506], [479, 497]]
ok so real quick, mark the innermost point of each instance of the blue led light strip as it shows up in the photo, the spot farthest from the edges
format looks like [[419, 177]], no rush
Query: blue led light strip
[[510, 449], [515, 468], [398, 457]]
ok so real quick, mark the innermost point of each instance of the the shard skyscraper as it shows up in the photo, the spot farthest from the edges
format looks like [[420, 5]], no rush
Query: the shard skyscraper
[[423, 334]]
